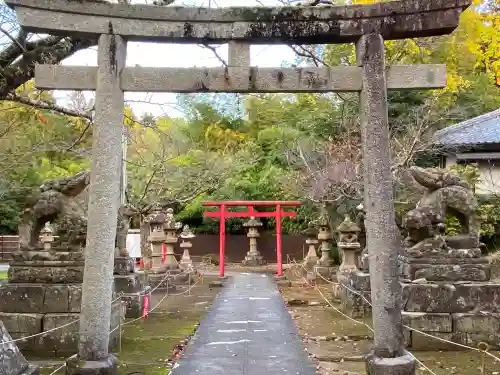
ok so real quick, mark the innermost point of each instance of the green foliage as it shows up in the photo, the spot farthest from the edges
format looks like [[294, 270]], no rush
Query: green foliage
[[35, 145]]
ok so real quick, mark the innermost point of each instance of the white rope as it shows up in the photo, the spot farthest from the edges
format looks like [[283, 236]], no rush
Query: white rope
[[405, 326]]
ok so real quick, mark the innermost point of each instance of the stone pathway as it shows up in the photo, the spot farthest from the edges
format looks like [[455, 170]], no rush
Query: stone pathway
[[247, 331]]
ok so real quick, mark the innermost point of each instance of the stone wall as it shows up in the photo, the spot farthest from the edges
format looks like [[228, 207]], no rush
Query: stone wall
[[463, 313], [29, 309]]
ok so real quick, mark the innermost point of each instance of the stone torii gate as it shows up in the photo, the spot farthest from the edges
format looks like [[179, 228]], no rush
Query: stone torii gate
[[366, 25]]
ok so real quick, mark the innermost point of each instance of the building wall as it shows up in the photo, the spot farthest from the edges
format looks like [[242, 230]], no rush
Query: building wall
[[489, 173]]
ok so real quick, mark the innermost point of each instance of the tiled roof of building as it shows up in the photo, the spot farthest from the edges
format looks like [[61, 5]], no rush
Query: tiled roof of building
[[476, 131]]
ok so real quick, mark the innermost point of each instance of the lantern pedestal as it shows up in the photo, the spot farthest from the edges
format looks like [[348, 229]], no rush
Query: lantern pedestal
[[253, 257]]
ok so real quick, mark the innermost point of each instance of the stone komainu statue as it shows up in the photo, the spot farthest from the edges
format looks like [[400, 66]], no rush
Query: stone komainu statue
[[57, 203], [447, 194]]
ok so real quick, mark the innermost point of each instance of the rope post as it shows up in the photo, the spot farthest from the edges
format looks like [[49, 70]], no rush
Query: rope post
[[120, 335]]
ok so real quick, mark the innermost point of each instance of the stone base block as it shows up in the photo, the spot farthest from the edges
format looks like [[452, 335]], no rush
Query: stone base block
[[478, 327], [353, 290], [131, 283], [161, 282], [50, 272], [41, 255], [253, 261], [451, 298], [186, 264], [428, 322], [424, 343], [60, 342], [461, 328], [40, 298], [404, 365], [77, 366], [354, 304], [184, 278], [134, 304], [124, 265], [446, 269], [324, 272]]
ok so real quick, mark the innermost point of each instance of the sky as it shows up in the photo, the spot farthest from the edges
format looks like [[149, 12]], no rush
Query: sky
[[175, 55]]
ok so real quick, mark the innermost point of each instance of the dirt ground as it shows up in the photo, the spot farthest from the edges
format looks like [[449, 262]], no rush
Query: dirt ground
[[338, 344], [150, 346]]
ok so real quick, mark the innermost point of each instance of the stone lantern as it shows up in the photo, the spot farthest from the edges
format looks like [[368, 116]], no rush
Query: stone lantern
[[186, 244], [348, 244], [253, 257], [171, 230], [324, 265], [311, 234], [156, 238], [46, 237]]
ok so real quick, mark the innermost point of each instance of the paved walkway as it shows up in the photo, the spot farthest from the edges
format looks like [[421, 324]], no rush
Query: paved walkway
[[247, 331]]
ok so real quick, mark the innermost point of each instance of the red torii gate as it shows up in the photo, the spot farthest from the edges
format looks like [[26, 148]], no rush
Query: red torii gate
[[222, 214]]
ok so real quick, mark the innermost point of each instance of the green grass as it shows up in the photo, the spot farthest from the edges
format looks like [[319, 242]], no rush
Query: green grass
[[3, 275]]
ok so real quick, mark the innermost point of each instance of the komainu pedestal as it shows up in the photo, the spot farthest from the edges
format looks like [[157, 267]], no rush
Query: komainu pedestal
[[44, 287], [446, 283]]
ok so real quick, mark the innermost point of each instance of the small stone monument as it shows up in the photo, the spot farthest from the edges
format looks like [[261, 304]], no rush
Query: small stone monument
[[12, 362], [171, 228], [353, 288], [324, 266], [128, 282], [253, 257], [157, 275], [46, 237], [186, 263], [311, 233], [349, 246], [44, 287]]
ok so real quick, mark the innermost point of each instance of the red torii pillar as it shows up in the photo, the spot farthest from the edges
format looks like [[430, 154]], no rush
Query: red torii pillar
[[222, 214]]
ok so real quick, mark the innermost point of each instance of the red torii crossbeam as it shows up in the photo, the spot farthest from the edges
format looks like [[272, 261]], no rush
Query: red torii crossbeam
[[222, 214]]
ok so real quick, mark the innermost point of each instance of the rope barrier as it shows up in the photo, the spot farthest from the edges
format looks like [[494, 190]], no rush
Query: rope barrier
[[485, 352]]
